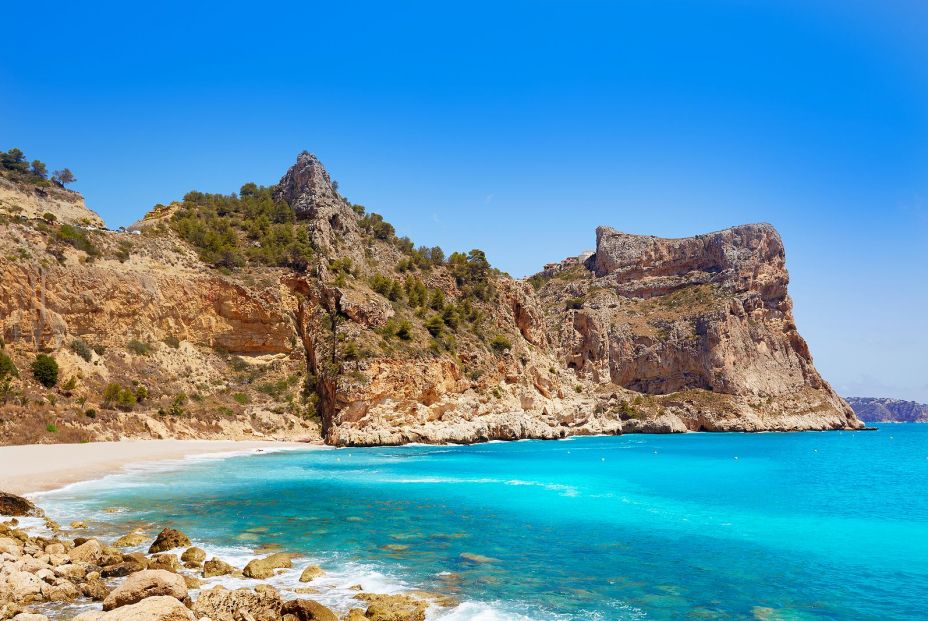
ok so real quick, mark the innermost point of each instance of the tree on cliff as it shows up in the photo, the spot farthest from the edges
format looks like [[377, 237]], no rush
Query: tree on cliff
[[39, 169], [45, 370], [63, 177], [14, 159]]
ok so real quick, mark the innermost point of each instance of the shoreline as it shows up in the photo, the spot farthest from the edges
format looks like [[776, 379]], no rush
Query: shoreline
[[35, 468]]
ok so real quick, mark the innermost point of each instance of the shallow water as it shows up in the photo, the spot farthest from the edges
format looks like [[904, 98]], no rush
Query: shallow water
[[717, 526]]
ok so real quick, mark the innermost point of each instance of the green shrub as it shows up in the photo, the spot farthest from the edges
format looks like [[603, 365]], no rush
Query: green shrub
[[141, 393], [49, 217], [403, 330], [7, 368], [77, 238], [81, 348], [90, 413], [177, 404], [99, 349], [500, 343], [138, 347], [241, 398], [351, 351], [574, 303], [45, 370], [8, 371], [172, 341], [435, 325], [51, 428], [119, 397]]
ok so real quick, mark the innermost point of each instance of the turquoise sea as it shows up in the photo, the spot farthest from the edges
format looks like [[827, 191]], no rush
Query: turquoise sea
[[703, 526]]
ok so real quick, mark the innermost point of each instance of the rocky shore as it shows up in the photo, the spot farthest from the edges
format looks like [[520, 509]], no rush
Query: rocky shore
[[48, 572]]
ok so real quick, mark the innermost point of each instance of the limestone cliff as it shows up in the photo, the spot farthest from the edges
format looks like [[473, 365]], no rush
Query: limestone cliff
[[291, 312]]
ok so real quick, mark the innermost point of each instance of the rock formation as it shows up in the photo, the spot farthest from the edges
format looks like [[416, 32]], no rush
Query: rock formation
[[357, 337], [884, 410]]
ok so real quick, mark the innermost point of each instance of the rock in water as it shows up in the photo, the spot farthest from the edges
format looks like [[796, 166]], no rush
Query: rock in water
[[168, 539], [193, 555], [262, 568], [393, 607], [17, 506], [216, 567], [311, 573]]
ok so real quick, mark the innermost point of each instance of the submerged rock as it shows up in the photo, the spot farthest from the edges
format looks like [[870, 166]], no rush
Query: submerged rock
[[130, 540]]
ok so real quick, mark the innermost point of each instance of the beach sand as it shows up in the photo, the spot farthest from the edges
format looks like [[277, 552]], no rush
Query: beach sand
[[41, 467]]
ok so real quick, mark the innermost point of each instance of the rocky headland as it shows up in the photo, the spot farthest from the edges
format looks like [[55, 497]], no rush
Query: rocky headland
[[886, 410], [289, 312]]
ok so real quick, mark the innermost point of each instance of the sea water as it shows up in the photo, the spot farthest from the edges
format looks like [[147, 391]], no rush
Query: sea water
[[706, 526]]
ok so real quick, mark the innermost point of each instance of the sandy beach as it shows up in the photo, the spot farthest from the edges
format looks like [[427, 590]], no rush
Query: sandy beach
[[41, 467]]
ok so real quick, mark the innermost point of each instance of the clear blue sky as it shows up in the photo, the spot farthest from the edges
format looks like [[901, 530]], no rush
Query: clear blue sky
[[517, 127]]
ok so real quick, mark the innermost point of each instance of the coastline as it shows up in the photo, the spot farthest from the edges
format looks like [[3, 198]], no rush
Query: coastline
[[33, 468]]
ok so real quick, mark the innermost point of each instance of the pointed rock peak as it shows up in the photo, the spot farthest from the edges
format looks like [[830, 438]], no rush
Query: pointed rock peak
[[306, 185]]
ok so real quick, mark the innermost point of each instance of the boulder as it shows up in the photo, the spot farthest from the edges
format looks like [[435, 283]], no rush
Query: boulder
[[168, 539], [71, 571], [192, 581], [311, 573], [217, 567], [306, 610], [77, 524], [168, 562], [55, 548], [11, 504], [393, 607], [193, 555], [63, 591], [355, 614], [11, 547], [262, 568], [89, 551], [157, 608], [24, 587], [95, 589], [221, 604], [29, 616], [144, 584], [125, 568]]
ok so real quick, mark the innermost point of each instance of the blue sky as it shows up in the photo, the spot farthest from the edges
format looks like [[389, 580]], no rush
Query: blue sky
[[518, 127]]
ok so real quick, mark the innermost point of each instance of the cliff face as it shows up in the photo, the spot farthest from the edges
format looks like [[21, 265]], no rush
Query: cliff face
[[370, 341], [702, 325]]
